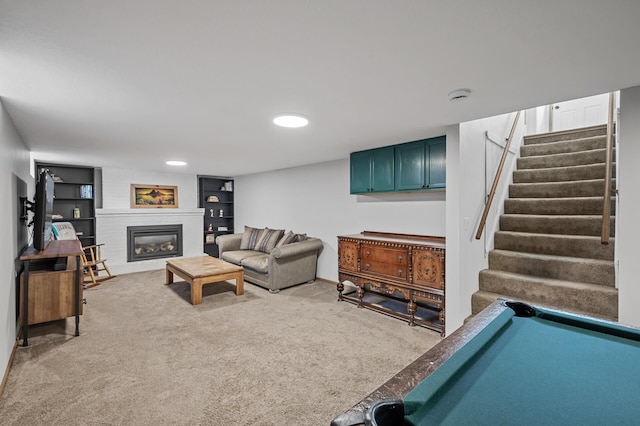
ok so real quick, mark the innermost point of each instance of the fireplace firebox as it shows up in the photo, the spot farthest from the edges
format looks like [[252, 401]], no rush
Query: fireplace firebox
[[153, 242]]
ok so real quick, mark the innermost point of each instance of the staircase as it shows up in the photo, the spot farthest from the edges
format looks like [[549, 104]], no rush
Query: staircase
[[548, 250]]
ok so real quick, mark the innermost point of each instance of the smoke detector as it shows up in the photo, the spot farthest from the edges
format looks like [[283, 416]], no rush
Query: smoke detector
[[459, 95]]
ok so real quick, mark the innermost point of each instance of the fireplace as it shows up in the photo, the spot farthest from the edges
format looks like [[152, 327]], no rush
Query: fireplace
[[153, 242]]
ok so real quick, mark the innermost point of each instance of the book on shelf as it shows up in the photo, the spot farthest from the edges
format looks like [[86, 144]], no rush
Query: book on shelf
[[86, 191]]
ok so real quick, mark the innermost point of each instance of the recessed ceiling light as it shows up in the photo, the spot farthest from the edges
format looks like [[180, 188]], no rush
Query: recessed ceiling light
[[290, 120], [176, 163], [459, 95]]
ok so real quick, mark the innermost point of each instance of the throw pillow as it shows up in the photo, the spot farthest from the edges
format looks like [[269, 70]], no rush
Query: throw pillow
[[268, 239], [301, 237], [250, 238], [287, 238]]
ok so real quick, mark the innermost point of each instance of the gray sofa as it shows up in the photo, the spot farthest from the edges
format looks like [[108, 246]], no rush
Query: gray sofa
[[284, 266]]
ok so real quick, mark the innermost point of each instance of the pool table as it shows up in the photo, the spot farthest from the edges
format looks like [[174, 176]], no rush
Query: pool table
[[515, 364]]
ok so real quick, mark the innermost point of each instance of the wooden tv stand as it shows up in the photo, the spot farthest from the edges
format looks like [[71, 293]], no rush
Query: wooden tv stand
[[47, 292]]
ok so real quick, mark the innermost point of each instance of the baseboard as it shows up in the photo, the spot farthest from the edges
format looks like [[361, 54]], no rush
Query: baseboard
[[8, 369], [324, 280]]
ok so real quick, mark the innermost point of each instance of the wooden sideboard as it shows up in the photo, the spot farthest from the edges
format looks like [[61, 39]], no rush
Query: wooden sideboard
[[401, 275]]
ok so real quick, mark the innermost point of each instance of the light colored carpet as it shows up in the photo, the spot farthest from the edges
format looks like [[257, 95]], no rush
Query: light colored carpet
[[146, 356]]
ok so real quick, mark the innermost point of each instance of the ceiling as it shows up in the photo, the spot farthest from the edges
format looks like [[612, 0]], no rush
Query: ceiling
[[133, 83]]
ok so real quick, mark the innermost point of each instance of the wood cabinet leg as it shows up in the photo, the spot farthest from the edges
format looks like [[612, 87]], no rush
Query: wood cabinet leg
[[340, 288], [25, 306], [77, 293], [360, 293], [412, 308]]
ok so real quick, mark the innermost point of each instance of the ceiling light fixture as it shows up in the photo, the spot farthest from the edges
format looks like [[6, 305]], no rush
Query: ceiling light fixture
[[290, 120], [176, 163], [459, 95]]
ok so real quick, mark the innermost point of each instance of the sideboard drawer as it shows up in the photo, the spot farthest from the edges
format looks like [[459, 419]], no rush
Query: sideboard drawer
[[387, 261]]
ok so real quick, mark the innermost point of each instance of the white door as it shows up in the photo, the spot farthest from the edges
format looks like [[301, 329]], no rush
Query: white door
[[578, 113]]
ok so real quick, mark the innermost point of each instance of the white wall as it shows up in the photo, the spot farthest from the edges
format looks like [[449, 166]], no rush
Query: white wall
[[627, 223], [315, 200], [14, 162], [537, 120], [116, 186], [455, 308]]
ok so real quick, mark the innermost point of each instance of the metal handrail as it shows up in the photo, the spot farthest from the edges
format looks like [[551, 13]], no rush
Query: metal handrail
[[496, 179], [606, 205]]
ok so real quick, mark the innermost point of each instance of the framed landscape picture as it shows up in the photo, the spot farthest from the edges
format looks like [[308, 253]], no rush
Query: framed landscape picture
[[153, 196]]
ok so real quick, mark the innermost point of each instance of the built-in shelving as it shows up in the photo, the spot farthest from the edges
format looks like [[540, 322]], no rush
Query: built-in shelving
[[74, 188], [215, 195]]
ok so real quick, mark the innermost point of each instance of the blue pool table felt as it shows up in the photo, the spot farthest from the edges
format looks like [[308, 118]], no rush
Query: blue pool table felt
[[532, 371]]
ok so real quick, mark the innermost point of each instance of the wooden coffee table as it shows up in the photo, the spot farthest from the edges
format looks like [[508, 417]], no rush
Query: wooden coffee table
[[198, 271]]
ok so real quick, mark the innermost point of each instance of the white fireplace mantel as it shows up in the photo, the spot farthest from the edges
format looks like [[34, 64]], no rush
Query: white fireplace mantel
[[111, 229], [152, 212]]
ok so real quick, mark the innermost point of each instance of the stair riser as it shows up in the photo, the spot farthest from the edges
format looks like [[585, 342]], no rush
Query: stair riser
[[573, 298], [563, 136], [557, 206], [584, 247], [569, 225], [481, 300], [599, 142], [562, 160], [556, 268], [562, 174], [599, 301], [581, 188]]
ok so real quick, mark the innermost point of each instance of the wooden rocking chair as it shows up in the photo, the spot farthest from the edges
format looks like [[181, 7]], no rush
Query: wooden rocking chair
[[93, 265], [92, 262]]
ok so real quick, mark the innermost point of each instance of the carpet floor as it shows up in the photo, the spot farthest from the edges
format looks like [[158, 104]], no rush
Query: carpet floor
[[146, 356]]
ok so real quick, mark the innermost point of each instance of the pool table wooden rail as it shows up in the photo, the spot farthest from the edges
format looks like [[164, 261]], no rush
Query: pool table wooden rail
[[408, 378]]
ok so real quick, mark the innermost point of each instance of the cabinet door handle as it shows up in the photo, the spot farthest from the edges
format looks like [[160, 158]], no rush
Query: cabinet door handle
[[366, 266], [426, 270], [399, 258], [399, 272], [366, 254], [424, 186]]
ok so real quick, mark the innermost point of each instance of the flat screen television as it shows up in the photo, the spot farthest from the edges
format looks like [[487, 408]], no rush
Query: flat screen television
[[43, 211]]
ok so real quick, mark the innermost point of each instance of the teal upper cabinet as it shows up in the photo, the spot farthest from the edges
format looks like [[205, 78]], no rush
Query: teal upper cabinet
[[372, 171], [437, 170], [421, 164]]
